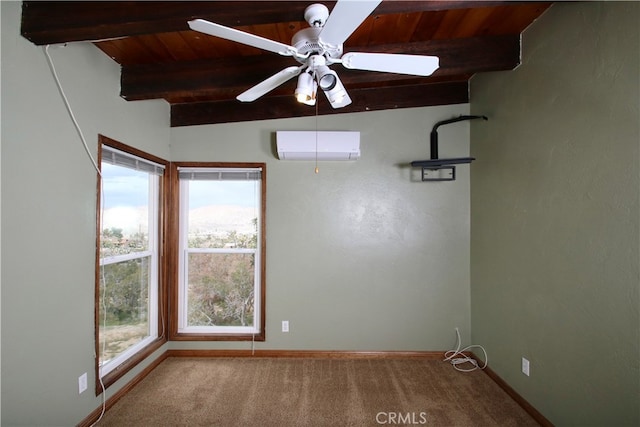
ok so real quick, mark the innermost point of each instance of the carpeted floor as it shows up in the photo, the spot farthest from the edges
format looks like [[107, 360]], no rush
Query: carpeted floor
[[314, 392]]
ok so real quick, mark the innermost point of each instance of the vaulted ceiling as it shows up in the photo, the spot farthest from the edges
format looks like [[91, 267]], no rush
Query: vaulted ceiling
[[200, 75]]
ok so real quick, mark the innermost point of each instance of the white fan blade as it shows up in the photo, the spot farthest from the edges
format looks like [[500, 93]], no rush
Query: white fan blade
[[417, 65], [269, 84], [346, 16], [241, 37]]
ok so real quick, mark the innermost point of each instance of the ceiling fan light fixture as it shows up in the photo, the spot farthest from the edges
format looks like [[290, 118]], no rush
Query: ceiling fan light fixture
[[338, 98], [331, 85], [334, 90], [306, 90], [327, 78]]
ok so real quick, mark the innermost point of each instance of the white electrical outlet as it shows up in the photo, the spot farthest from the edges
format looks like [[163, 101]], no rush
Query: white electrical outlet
[[82, 383], [525, 366], [285, 326]]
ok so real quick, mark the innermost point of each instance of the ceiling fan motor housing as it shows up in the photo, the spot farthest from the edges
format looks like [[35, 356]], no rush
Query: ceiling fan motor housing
[[308, 41]]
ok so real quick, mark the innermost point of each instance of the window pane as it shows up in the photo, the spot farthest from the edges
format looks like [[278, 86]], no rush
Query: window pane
[[128, 270], [124, 306], [220, 262], [125, 221], [223, 214], [220, 289]]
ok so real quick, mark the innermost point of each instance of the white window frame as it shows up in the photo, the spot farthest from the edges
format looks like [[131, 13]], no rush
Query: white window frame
[[152, 252], [184, 251]]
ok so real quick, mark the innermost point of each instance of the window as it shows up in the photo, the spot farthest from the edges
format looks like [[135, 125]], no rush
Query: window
[[220, 251], [128, 272]]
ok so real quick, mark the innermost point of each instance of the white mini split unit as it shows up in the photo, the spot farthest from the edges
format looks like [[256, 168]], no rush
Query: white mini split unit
[[320, 145]]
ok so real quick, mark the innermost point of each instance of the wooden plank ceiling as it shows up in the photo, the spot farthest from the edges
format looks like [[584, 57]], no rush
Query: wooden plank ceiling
[[200, 75]]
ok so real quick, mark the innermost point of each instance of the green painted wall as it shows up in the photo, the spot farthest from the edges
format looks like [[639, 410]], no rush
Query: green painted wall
[[554, 240], [48, 219], [361, 256]]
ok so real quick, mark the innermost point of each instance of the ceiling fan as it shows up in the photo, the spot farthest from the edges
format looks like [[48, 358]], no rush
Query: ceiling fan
[[318, 47]]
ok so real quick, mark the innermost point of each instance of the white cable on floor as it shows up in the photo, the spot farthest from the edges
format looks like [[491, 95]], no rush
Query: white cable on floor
[[457, 357]]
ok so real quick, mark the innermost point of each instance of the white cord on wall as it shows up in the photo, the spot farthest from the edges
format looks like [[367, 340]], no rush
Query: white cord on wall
[[97, 168], [66, 104], [457, 357], [253, 344]]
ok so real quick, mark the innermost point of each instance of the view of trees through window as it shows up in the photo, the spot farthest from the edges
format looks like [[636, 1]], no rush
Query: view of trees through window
[[218, 242], [219, 254], [125, 276], [221, 289], [124, 302]]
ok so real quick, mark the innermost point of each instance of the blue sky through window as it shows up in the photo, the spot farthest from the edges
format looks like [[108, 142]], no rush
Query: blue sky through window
[[124, 187], [225, 193]]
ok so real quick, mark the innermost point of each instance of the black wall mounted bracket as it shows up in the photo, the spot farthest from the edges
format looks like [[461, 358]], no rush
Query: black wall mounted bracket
[[436, 169]]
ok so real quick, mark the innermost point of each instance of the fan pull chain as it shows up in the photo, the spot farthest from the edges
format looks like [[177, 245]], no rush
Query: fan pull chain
[[317, 100]]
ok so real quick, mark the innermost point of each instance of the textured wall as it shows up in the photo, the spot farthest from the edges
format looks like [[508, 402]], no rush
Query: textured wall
[[359, 256], [555, 262], [48, 219]]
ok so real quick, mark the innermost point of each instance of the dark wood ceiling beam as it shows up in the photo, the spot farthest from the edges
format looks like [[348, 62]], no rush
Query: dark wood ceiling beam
[[287, 89], [276, 107], [50, 22], [211, 77], [65, 21], [226, 78]]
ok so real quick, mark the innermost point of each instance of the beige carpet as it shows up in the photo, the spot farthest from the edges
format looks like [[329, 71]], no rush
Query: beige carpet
[[314, 392]]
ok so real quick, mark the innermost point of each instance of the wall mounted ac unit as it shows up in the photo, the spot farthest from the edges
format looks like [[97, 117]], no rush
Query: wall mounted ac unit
[[329, 145]]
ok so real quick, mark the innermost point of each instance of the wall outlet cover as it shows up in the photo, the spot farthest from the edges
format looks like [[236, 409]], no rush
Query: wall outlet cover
[[525, 366], [82, 383]]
